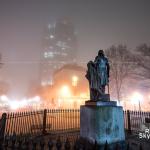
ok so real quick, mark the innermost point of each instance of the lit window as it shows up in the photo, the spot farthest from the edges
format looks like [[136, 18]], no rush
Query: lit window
[[45, 54], [50, 54], [75, 80], [51, 36]]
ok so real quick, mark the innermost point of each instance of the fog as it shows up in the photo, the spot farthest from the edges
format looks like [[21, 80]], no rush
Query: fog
[[98, 25]]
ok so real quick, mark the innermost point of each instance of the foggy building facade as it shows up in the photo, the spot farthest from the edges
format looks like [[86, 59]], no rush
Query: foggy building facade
[[59, 48]]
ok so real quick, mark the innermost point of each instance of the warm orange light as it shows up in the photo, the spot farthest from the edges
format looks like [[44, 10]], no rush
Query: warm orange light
[[83, 95], [65, 91], [136, 98], [75, 80]]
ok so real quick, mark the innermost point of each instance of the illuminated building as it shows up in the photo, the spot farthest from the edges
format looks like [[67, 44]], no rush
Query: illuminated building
[[73, 76], [70, 86], [59, 48]]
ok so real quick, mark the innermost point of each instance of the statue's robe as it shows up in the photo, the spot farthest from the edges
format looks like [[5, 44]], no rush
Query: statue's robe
[[94, 80], [102, 63]]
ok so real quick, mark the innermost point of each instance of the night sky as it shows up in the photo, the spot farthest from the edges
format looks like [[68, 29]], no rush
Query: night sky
[[98, 24]]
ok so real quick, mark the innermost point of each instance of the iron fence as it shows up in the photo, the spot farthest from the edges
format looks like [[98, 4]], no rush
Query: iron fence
[[42, 121], [60, 143], [61, 121], [136, 121]]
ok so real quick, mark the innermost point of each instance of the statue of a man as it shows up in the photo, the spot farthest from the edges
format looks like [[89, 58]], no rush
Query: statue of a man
[[98, 74], [102, 65]]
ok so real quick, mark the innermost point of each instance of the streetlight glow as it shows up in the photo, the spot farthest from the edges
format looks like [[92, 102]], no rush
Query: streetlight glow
[[65, 91], [14, 104], [75, 80], [136, 98], [4, 98]]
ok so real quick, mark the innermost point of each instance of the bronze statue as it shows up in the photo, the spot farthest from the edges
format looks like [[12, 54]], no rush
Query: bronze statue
[[98, 75]]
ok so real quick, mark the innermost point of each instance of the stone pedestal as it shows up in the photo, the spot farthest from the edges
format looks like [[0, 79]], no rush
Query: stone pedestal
[[101, 103], [102, 121]]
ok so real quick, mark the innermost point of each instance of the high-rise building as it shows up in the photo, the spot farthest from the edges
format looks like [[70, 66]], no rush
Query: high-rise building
[[59, 48]]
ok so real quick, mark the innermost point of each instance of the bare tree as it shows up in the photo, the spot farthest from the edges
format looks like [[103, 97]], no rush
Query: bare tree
[[121, 66], [143, 51], [4, 87]]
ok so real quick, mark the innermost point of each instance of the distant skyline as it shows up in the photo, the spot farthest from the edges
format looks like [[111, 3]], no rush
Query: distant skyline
[[98, 23]]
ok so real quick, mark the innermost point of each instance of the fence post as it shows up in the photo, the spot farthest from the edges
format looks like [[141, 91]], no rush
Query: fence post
[[2, 126], [44, 121], [129, 122]]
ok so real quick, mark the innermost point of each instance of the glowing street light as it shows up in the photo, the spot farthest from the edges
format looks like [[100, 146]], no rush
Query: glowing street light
[[4, 98], [65, 91], [14, 104], [51, 36], [137, 98]]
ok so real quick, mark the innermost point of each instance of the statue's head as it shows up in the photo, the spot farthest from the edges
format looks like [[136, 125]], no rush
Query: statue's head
[[100, 53]]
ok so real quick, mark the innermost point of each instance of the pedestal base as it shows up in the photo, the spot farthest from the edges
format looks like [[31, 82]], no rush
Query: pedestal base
[[102, 123], [121, 145]]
